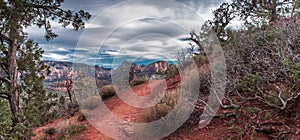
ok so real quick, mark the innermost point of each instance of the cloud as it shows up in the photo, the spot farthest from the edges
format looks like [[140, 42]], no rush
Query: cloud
[[126, 30], [56, 57]]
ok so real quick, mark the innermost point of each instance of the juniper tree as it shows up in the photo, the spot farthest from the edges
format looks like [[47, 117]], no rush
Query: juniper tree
[[254, 12], [15, 17]]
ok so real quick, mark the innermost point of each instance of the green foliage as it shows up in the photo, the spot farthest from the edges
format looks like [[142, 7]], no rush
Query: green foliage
[[37, 104], [91, 102], [230, 122], [108, 91], [294, 70], [69, 131], [5, 119], [250, 82], [267, 116], [252, 110], [170, 72], [16, 16], [256, 14]]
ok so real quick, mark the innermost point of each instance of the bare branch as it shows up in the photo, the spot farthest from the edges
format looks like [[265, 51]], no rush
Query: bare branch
[[4, 95], [4, 79], [4, 38], [280, 98]]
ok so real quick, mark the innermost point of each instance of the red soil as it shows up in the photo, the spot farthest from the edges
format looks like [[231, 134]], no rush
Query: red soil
[[215, 130]]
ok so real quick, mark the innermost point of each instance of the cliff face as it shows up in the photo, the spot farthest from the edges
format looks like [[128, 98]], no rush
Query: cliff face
[[60, 71], [142, 71]]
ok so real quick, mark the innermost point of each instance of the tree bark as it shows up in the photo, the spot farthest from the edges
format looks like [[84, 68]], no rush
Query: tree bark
[[69, 85], [14, 99], [273, 12]]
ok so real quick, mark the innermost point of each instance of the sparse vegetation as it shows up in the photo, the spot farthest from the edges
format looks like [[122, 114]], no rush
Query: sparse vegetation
[[91, 102], [162, 108], [136, 81], [81, 116], [170, 72], [262, 95], [262, 69], [107, 91], [68, 131]]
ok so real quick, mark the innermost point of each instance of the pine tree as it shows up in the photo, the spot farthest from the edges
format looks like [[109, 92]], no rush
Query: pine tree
[[15, 16]]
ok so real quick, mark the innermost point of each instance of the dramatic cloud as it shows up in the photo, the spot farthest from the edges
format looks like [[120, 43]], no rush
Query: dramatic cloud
[[141, 31]]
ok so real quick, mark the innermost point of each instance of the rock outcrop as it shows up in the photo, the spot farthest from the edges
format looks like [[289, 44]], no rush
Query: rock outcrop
[[60, 71]]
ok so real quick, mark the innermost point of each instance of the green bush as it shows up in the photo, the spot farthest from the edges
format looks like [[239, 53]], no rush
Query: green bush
[[76, 129], [107, 92], [294, 71], [91, 102], [5, 119], [66, 132], [250, 82], [49, 131]]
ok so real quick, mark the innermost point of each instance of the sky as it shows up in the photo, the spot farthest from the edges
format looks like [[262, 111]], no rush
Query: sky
[[139, 31]]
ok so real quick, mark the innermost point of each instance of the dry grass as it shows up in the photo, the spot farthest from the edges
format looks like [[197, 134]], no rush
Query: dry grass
[[91, 102], [66, 130], [162, 108]]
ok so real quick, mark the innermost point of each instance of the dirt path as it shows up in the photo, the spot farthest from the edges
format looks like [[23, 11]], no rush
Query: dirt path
[[117, 120], [128, 114]]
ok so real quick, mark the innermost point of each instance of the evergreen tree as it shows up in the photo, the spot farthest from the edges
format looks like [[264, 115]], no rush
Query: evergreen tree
[[21, 90], [255, 13]]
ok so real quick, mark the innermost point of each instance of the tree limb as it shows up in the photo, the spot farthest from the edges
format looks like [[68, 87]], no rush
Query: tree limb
[[4, 79], [4, 38], [5, 95]]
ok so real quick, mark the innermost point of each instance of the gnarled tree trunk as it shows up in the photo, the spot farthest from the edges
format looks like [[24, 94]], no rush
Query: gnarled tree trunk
[[14, 98]]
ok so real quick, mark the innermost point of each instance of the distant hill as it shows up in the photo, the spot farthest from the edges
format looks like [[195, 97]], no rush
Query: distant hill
[[60, 70]]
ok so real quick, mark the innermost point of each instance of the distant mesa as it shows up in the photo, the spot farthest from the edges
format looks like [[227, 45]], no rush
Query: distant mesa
[[61, 70]]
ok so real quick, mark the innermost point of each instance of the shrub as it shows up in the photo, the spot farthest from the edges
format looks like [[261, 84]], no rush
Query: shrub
[[107, 91], [162, 108], [76, 129], [49, 131], [67, 130], [272, 58], [170, 72], [250, 82], [136, 82], [81, 116], [91, 102], [268, 116]]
